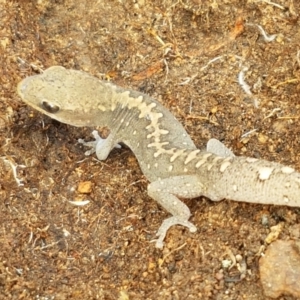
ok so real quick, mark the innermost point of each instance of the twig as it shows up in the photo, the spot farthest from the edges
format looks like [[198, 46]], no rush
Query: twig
[[14, 170], [267, 38], [292, 80], [164, 258], [288, 117], [203, 118], [243, 83], [271, 114], [272, 3], [248, 133], [211, 61], [187, 80]]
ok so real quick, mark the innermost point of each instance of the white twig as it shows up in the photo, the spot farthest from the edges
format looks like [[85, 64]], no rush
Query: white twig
[[246, 87], [272, 113], [33, 66], [243, 83], [267, 38], [211, 61], [298, 57], [167, 68], [256, 102], [248, 133], [187, 80], [14, 170], [191, 106], [274, 4], [80, 203]]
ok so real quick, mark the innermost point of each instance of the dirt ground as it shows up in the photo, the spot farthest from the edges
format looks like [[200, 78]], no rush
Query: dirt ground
[[210, 64]]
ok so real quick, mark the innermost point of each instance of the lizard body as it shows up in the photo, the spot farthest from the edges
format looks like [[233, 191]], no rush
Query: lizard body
[[165, 152]]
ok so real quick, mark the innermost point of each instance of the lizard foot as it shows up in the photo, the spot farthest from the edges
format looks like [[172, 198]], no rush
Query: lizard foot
[[98, 145], [162, 231]]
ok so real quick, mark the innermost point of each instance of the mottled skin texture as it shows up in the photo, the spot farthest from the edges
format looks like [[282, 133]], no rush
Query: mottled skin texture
[[166, 154]]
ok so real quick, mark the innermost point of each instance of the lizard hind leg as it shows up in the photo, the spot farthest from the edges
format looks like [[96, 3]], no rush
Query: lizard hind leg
[[166, 192], [218, 148]]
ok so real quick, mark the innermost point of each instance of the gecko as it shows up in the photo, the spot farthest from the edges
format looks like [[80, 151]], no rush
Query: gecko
[[175, 168]]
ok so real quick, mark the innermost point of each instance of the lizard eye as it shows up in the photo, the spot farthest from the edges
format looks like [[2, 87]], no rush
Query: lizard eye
[[49, 107]]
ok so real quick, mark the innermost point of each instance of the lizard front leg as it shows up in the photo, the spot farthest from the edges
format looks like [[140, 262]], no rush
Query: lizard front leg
[[166, 192], [101, 146]]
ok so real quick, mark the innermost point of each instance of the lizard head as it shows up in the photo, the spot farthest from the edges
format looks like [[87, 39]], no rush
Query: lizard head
[[68, 96]]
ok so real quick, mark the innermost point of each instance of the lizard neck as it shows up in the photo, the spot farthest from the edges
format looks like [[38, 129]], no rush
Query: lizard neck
[[146, 127]]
